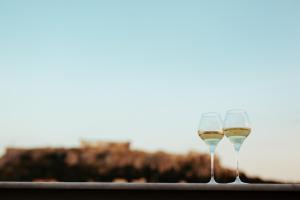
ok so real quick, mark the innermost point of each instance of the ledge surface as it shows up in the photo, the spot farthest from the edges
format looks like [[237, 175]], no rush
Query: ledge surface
[[146, 191], [148, 186]]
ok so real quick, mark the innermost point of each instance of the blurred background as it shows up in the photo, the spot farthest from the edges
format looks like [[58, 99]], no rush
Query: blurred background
[[143, 72]]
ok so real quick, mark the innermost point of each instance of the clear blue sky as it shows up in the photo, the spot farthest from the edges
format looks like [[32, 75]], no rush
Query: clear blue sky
[[145, 71]]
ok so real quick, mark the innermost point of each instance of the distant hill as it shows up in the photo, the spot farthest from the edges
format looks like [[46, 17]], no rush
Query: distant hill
[[110, 161]]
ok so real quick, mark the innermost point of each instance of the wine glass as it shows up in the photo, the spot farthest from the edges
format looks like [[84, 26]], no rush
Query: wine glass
[[211, 132], [237, 128]]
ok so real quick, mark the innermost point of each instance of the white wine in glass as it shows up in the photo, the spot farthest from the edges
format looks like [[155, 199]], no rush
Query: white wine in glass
[[211, 138], [211, 132], [237, 128], [237, 135]]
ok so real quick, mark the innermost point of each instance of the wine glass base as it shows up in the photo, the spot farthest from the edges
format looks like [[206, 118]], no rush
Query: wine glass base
[[212, 181], [238, 181]]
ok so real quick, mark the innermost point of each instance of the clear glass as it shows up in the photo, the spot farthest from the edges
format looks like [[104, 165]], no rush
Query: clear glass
[[237, 128], [210, 130]]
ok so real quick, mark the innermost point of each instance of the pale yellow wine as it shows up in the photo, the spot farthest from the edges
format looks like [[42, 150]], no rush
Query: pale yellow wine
[[211, 137], [237, 135]]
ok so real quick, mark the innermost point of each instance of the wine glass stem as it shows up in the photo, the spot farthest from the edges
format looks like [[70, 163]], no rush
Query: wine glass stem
[[212, 153], [237, 164]]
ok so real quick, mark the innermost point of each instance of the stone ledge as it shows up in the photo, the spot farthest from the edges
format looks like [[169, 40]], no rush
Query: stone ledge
[[149, 186]]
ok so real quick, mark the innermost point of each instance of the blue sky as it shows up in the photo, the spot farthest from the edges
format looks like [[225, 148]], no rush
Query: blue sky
[[144, 71]]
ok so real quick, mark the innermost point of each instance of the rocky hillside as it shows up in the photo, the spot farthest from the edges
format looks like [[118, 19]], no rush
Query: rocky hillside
[[106, 161]]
